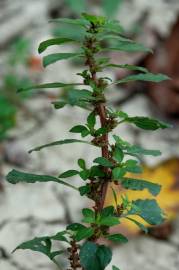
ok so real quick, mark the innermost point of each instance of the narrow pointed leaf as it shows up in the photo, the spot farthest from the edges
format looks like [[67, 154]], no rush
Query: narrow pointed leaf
[[47, 85], [15, 177], [52, 58], [140, 225], [53, 41], [149, 77], [128, 47], [129, 67], [80, 22], [68, 174], [67, 141]]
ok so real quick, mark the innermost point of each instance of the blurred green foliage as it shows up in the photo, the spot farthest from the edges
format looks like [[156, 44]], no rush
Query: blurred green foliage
[[13, 78]]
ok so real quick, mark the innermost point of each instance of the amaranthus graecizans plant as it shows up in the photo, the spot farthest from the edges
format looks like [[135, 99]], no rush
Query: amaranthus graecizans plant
[[116, 156]]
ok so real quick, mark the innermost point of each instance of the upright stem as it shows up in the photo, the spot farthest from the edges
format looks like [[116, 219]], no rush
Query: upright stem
[[105, 153]]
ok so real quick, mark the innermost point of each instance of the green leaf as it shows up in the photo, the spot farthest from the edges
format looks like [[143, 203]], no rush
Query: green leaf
[[118, 172], [88, 258], [54, 57], [103, 162], [91, 120], [140, 225], [104, 255], [97, 20], [112, 26], [84, 174], [54, 41], [84, 233], [66, 141], [81, 163], [135, 149], [79, 129], [93, 256], [109, 221], [42, 245], [47, 85], [118, 154], [149, 77], [84, 190], [68, 173], [75, 226], [147, 123], [117, 238], [79, 22], [138, 184], [129, 67], [148, 210], [128, 47], [96, 171], [132, 166], [15, 177], [107, 211], [87, 212]]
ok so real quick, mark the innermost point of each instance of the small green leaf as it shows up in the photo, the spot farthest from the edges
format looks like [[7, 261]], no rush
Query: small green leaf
[[132, 166], [91, 120], [96, 171], [103, 162], [84, 174], [15, 177], [68, 173], [140, 225], [54, 57], [54, 41], [81, 163], [66, 141], [79, 129], [118, 172], [138, 184], [148, 210], [118, 154], [75, 226], [47, 85], [87, 212], [107, 211], [97, 20], [149, 77], [84, 190], [109, 221], [84, 233], [117, 238]]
